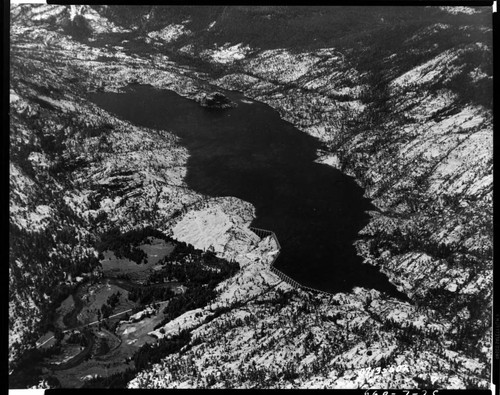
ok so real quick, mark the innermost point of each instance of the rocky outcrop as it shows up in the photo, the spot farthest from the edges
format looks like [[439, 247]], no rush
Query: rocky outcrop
[[214, 100]]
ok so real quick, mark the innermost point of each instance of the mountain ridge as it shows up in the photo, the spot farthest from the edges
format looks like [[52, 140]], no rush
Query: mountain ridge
[[403, 126]]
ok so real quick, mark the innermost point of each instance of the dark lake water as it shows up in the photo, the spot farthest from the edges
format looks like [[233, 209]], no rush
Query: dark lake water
[[251, 153]]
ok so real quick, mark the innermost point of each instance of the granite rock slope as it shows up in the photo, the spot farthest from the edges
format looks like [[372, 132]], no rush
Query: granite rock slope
[[404, 108]]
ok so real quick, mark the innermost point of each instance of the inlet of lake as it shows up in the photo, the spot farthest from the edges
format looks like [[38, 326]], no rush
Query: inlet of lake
[[251, 153]]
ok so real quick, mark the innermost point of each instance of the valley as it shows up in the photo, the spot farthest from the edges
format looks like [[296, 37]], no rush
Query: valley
[[105, 321], [398, 112]]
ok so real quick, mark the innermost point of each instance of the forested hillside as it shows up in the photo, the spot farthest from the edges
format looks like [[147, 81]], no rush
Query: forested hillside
[[399, 97]]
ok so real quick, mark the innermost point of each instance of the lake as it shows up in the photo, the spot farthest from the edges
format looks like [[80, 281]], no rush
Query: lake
[[251, 153]]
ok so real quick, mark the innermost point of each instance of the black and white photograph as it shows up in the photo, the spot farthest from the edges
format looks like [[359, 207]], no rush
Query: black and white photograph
[[250, 197]]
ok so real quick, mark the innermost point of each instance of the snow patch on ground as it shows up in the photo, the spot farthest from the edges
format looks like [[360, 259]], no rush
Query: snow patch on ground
[[188, 320], [428, 31], [97, 22], [459, 10], [227, 54], [209, 226], [169, 33], [330, 160], [426, 72], [281, 65]]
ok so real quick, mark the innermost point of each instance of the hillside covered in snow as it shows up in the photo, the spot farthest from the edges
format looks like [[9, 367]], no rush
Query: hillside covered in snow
[[400, 99]]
